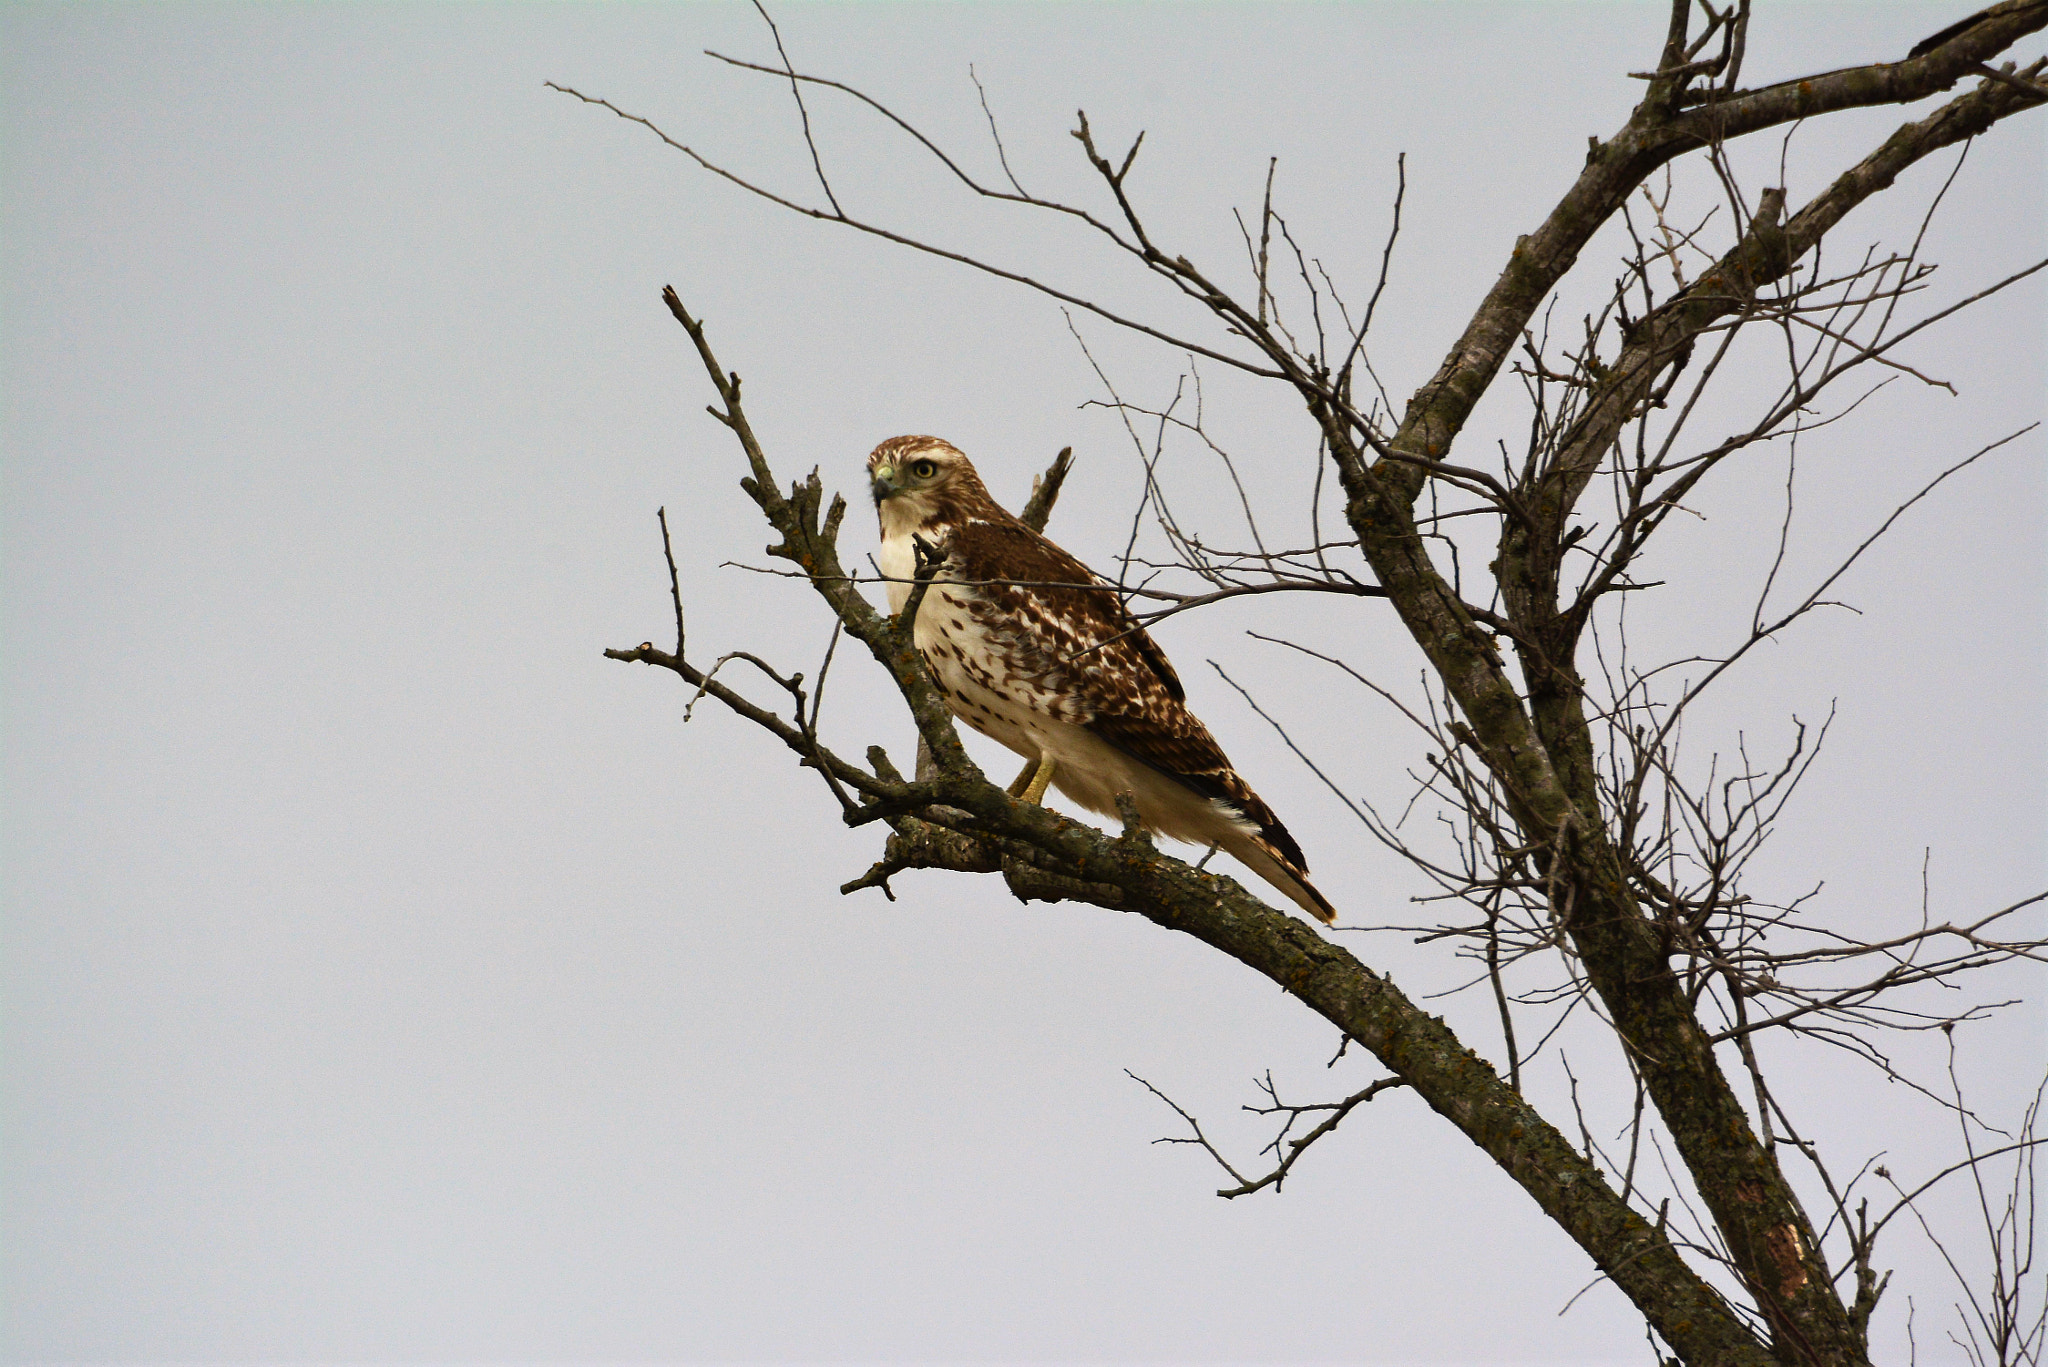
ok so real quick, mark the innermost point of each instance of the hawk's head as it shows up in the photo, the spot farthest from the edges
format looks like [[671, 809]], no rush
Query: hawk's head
[[920, 480]]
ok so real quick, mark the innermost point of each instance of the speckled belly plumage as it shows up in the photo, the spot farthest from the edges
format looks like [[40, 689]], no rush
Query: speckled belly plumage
[[986, 682]]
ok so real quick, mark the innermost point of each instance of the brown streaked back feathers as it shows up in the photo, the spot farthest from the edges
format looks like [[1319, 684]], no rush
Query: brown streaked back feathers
[[1085, 644]]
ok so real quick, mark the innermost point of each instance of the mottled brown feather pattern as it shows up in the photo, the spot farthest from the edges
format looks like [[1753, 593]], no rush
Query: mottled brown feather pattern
[[1082, 645]]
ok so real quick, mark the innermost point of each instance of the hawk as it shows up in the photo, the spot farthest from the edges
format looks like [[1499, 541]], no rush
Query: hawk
[[1035, 652]]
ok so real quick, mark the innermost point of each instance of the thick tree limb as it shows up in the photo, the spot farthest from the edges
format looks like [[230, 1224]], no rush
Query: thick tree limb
[[1541, 752]]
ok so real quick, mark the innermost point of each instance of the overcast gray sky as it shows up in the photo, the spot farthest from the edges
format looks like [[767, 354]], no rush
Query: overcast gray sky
[[389, 976]]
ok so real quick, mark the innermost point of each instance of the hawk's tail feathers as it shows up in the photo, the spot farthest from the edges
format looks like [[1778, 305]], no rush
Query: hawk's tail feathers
[[1264, 858]]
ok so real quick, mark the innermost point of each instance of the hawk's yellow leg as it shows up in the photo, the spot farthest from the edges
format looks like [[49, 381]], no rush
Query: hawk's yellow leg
[[1030, 785]]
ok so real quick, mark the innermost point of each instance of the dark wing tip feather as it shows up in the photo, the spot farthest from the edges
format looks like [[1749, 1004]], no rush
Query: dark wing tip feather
[[1324, 912], [1270, 829]]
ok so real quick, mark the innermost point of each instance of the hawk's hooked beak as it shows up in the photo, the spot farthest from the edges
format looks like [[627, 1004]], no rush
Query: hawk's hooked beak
[[883, 482]]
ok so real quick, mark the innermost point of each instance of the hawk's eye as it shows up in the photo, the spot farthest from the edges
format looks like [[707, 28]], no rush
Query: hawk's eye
[[924, 469]]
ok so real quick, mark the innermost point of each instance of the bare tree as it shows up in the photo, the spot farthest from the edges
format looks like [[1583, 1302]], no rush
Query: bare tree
[[1585, 863]]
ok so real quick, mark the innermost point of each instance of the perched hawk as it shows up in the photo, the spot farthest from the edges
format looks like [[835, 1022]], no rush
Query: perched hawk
[[1035, 652]]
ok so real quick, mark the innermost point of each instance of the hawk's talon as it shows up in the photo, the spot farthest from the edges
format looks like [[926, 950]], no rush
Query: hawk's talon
[[1030, 785]]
